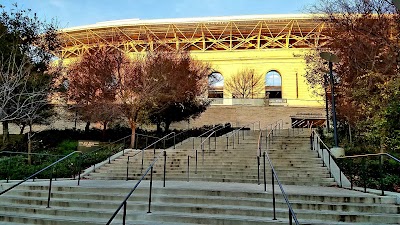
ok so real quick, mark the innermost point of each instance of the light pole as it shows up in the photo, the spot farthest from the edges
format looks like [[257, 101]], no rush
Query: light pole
[[326, 100], [332, 58]]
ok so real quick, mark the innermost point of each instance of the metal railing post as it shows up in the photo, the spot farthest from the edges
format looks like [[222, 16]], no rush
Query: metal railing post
[[265, 178], [124, 214], [188, 170], [79, 169], [209, 143], [381, 174], [365, 174], [151, 186], [233, 141], [290, 217], [165, 167], [195, 171], [49, 196], [273, 194], [330, 170], [215, 141], [258, 170], [141, 170], [154, 150], [8, 168], [351, 180], [227, 142], [193, 142], [127, 168]]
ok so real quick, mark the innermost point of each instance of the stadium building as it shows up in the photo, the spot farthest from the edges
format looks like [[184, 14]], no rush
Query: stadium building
[[271, 45]]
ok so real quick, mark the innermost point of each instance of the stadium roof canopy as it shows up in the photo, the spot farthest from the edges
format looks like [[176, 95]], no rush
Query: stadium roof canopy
[[228, 33]]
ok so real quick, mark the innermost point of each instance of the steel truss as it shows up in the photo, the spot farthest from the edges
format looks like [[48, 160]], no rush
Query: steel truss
[[226, 35]]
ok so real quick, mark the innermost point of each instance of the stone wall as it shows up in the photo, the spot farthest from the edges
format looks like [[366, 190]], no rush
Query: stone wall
[[242, 115], [236, 115]]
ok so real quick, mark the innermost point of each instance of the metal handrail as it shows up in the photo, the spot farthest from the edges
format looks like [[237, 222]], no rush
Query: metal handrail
[[276, 124], [108, 144], [145, 135], [180, 133], [40, 171], [292, 214], [247, 125], [127, 164], [380, 165], [331, 156], [105, 146], [154, 144], [185, 131], [237, 131], [25, 153], [209, 136], [201, 146], [124, 202], [220, 127], [212, 129], [162, 138], [374, 154]]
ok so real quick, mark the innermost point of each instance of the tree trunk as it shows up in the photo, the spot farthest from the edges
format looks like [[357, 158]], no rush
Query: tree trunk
[[104, 130], [133, 128], [167, 124], [159, 130], [30, 145], [6, 136], [22, 128], [87, 127]]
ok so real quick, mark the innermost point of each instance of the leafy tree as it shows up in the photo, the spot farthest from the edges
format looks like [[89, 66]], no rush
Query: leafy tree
[[186, 81], [245, 84], [361, 34], [92, 82]]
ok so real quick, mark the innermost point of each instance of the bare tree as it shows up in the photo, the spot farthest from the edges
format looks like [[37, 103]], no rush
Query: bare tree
[[19, 99], [245, 84]]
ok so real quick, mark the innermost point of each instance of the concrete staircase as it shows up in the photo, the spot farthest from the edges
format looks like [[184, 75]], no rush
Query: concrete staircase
[[191, 203], [224, 190], [291, 156]]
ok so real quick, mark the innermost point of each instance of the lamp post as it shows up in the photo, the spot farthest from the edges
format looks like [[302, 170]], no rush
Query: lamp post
[[326, 100], [332, 58]]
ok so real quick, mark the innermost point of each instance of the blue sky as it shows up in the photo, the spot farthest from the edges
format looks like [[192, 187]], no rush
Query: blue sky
[[70, 13]]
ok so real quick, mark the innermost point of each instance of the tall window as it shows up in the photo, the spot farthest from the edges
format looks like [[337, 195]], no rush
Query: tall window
[[216, 85], [273, 84]]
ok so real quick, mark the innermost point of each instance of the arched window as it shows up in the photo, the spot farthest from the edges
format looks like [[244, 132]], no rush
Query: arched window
[[215, 85], [273, 84]]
